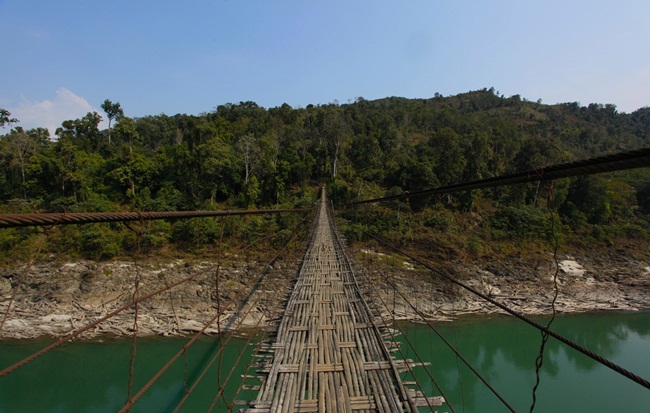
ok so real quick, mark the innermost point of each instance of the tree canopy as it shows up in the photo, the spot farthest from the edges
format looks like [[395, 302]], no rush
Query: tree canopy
[[243, 155]]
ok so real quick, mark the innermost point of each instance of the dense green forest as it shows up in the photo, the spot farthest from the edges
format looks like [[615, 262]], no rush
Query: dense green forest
[[245, 156]]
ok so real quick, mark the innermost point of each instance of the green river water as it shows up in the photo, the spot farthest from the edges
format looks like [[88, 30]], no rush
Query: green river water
[[92, 376]]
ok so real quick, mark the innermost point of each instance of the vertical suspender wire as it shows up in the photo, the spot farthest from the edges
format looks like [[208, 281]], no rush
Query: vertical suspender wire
[[218, 295], [213, 359], [265, 270], [544, 333], [452, 348], [257, 347], [136, 299], [412, 346]]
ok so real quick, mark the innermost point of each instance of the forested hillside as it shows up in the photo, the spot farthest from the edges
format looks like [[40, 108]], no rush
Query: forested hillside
[[245, 156]]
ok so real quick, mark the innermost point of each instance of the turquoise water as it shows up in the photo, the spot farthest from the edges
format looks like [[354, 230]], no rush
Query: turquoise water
[[93, 376], [504, 350]]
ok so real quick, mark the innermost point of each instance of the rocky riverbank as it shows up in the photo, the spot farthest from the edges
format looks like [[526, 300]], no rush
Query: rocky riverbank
[[53, 298], [613, 280]]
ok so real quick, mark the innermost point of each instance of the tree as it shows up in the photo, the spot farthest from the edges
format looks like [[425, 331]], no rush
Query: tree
[[83, 132], [250, 150], [5, 118], [113, 111], [21, 146]]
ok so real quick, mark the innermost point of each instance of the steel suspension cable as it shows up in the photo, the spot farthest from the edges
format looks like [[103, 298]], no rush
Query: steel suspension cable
[[618, 162], [75, 333], [31, 220], [602, 360]]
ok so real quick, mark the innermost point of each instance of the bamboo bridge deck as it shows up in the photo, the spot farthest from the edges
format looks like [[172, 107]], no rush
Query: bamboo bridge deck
[[329, 355]]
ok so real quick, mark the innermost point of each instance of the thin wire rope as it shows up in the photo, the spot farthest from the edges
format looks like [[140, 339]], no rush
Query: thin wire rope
[[235, 364], [218, 294], [602, 360], [460, 376], [195, 337], [136, 296], [451, 347], [207, 367], [259, 343], [411, 346], [539, 361]]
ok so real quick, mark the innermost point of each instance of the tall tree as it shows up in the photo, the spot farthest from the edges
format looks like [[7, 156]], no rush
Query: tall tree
[[113, 111], [21, 146], [249, 148], [6, 119]]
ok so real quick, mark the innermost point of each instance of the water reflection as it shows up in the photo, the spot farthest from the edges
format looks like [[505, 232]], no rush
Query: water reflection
[[504, 349]]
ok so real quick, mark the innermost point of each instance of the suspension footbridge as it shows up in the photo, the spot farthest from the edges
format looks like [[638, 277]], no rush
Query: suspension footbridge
[[331, 352]]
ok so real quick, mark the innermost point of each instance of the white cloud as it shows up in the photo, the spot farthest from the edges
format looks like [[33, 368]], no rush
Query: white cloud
[[51, 113]]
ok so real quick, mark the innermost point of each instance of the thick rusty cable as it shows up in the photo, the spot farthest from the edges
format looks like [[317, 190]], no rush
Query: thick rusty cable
[[21, 278], [74, 334], [30, 220], [600, 359], [213, 359], [410, 344], [194, 338], [618, 162], [451, 347]]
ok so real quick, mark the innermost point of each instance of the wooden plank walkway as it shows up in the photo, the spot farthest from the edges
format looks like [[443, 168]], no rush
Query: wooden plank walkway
[[329, 355]]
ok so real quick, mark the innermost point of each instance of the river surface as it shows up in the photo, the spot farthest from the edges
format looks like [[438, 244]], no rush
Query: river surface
[[93, 376]]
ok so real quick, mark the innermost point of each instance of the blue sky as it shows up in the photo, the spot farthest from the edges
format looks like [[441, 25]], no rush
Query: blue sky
[[61, 59]]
